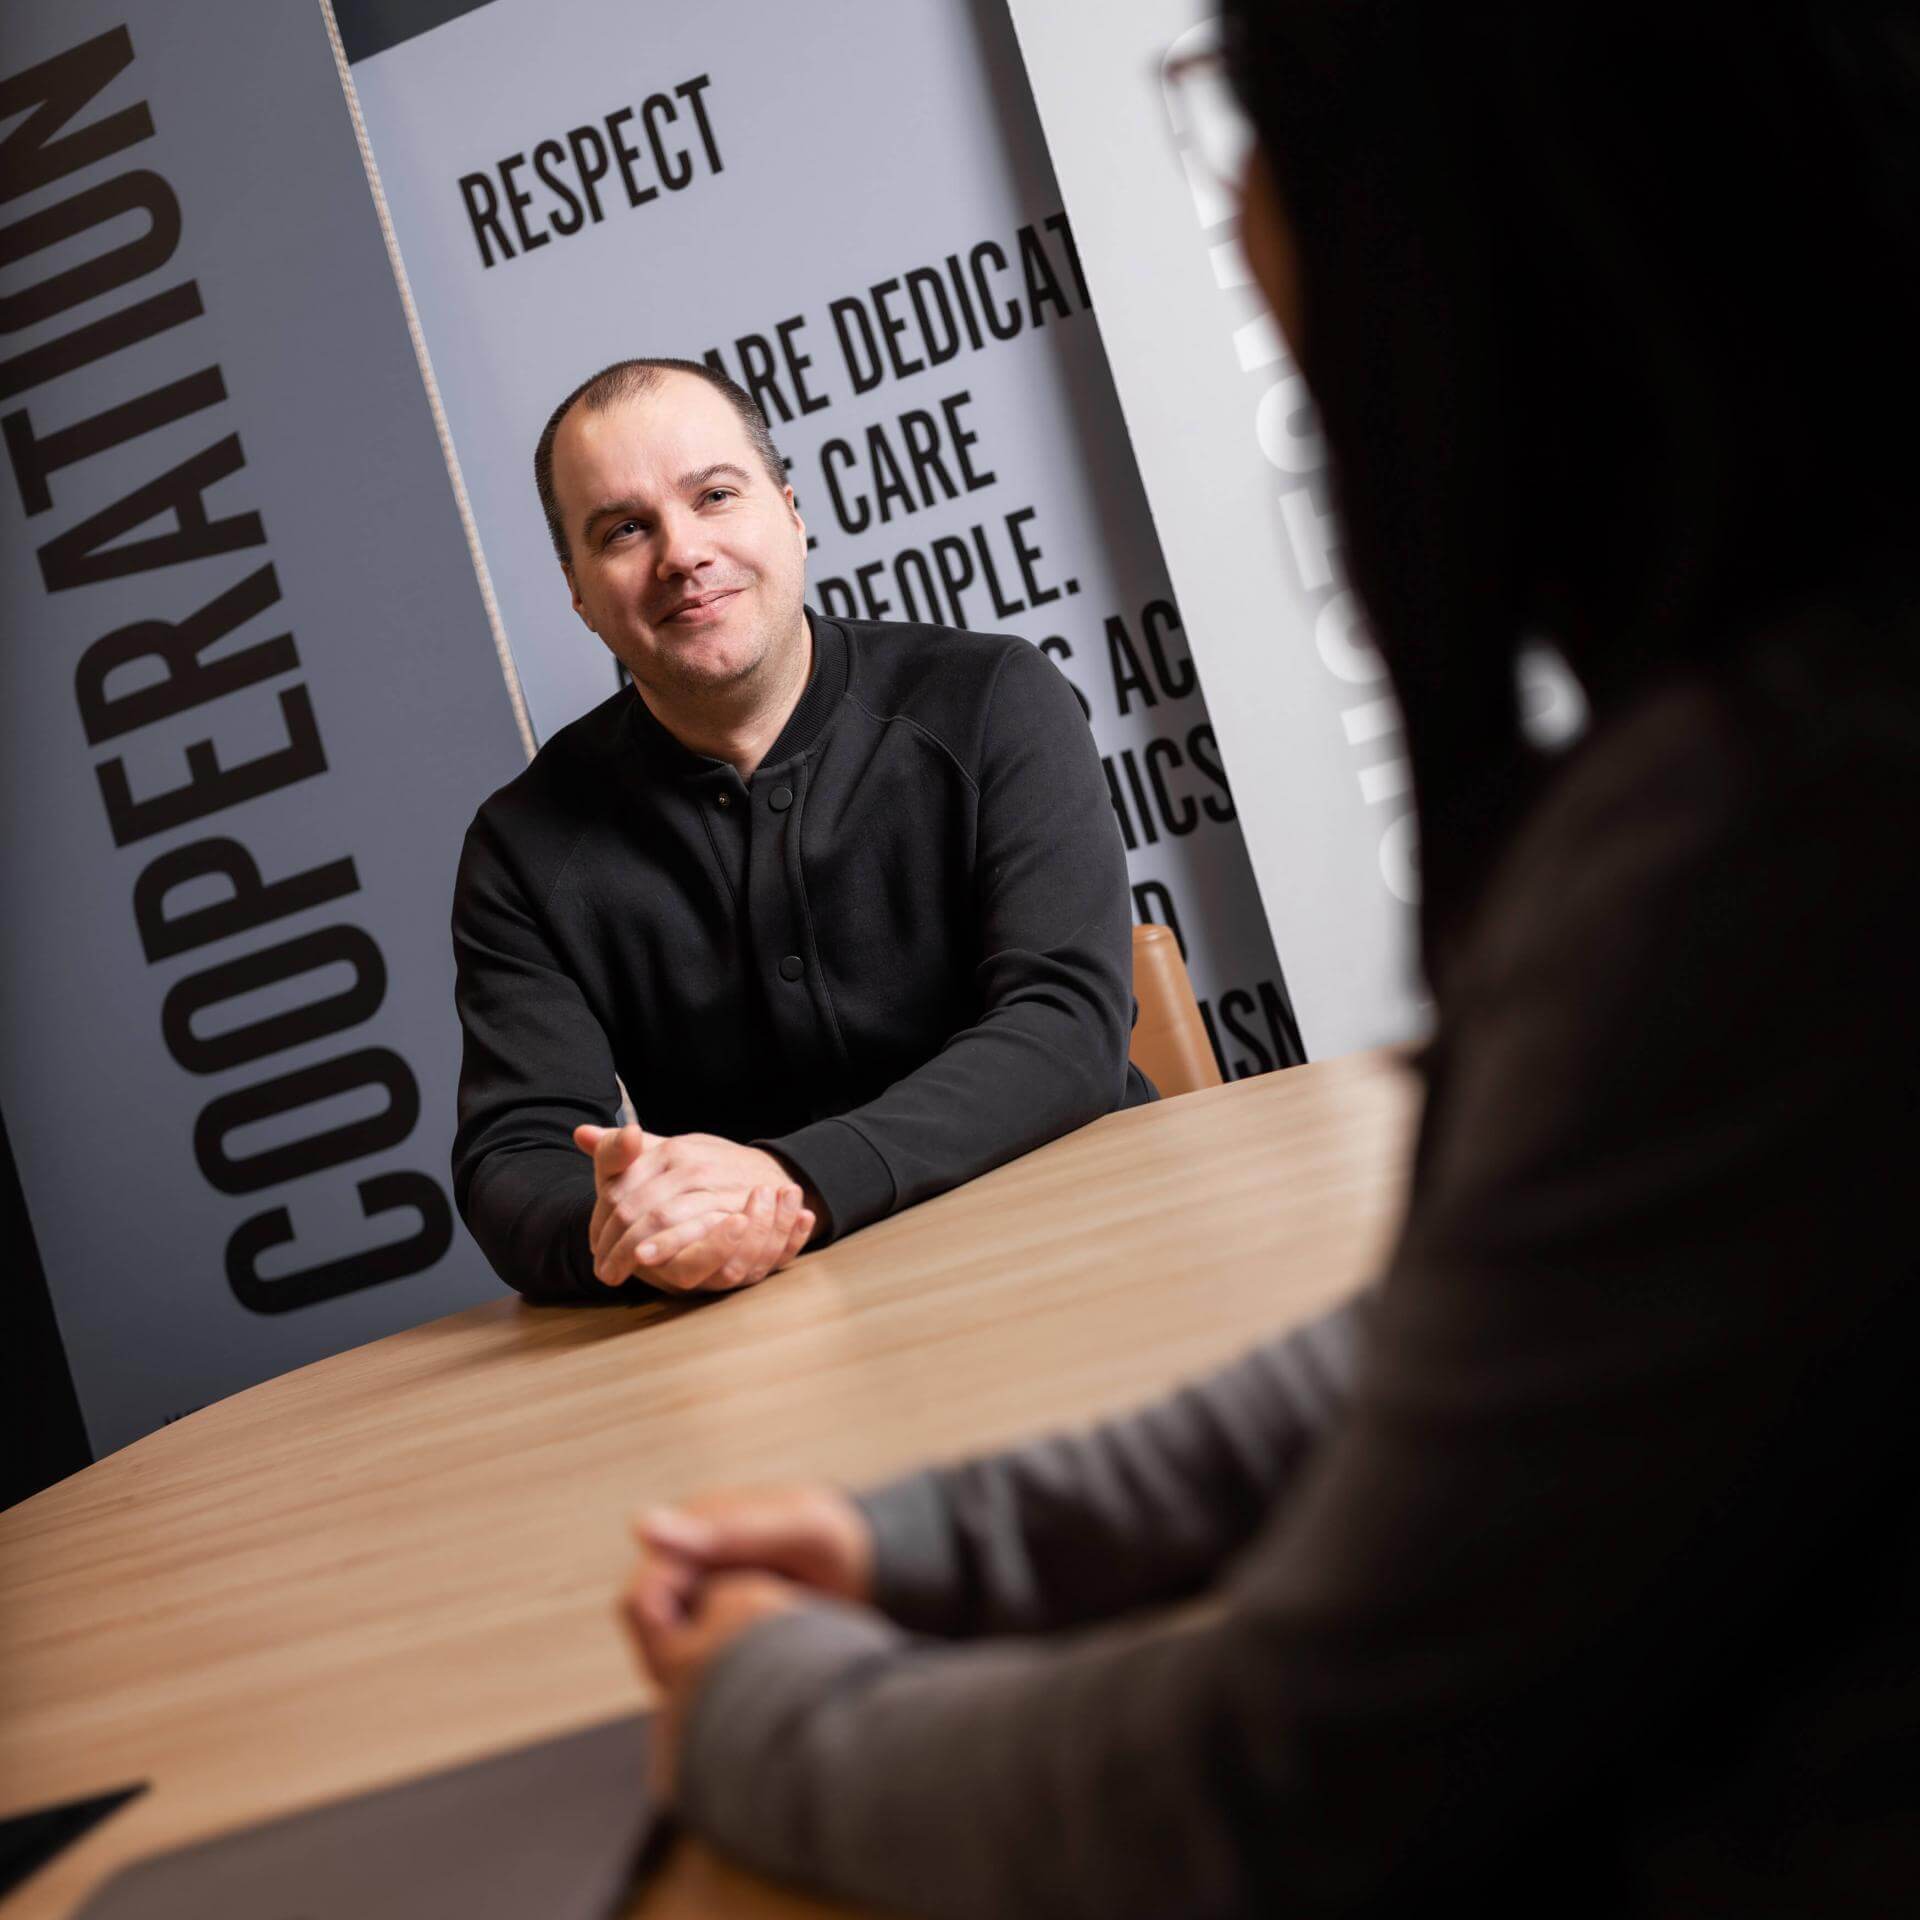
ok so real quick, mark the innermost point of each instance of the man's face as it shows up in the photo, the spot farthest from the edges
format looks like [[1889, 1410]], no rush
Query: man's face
[[687, 560]]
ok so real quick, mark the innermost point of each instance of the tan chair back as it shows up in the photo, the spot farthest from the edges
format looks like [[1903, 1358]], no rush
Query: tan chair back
[[1170, 1044]]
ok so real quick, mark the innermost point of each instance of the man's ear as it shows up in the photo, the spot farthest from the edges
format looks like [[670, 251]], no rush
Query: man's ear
[[793, 507], [573, 591]]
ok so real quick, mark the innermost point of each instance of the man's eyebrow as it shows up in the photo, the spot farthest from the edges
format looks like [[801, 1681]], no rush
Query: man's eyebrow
[[701, 475]]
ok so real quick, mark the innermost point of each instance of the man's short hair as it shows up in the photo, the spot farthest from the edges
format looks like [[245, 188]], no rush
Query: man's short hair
[[623, 381]]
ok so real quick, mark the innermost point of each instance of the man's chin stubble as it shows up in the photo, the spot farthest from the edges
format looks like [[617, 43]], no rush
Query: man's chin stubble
[[670, 676]]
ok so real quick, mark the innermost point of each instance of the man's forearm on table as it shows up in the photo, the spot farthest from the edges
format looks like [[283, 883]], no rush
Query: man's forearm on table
[[529, 1212], [1023, 1075]]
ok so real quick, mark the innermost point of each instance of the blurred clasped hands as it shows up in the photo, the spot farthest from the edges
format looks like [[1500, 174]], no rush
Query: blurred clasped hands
[[690, 1212], [720, 1564]]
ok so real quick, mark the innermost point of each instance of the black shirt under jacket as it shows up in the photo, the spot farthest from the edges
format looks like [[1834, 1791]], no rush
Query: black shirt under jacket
[[897, 956]]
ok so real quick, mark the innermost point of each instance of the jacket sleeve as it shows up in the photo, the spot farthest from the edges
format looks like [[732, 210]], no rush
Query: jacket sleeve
[[1629, 1418], [534, 1065], [1047, 1051], [1137, 1512]]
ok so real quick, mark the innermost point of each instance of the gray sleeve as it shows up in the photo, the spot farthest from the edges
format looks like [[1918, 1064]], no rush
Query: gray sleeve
[[1140, 1511], [1619, 1431], [829, 1748]]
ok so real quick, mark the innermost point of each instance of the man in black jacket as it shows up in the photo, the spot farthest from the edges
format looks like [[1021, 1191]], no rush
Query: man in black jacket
[[843, 905]]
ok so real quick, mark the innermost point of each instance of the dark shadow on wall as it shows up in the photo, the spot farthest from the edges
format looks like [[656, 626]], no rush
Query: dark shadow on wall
[[1104, 449], [368, 27], [42, 1437]]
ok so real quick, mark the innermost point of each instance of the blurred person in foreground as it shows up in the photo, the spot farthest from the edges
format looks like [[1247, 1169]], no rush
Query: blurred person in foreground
[[1580, 1572]]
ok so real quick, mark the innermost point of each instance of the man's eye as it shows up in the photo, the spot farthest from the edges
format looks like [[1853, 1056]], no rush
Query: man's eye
[[719, 493], [625, 527]]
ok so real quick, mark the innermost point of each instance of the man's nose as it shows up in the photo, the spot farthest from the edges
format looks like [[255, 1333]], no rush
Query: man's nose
[[684, 547]]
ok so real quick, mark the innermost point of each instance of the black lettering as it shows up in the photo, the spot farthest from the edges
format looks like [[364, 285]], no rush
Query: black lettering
[[1037, 595], [1142, 805], [186, 681], [1003, 608], [922, 434], [797, 364], [82, 556], [1006, 323], [35, 459], [1236, 1006], [519, 200], [690, 91], [1205, 754], [383, 1193], [676, 173], [1180, 816], [890, 484], [210, 786], [926, 289], [315, 1020], [1282, 1028], [485, 219], [288, 1093], [250, 902], [1158, 618], [950, 555], [99, 338], [963, 438], [579, 141], [838, 450], [637, 195], [836, 598], [922, 601], [850, 314], [756, 363], [50, 94], [1129, 676], [964, 299], [546, 156], [892, 326], [1043, 289], [876, 608], [138, 192], [1057, 223]]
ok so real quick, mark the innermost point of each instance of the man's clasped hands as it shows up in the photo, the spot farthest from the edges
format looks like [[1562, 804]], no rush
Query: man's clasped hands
[[690, 1212]]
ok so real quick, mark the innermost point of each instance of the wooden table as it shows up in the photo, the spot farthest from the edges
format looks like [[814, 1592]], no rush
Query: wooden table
[[407, 1555]]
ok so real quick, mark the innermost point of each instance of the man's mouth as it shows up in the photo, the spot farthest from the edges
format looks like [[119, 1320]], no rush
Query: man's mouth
[[699, 608]]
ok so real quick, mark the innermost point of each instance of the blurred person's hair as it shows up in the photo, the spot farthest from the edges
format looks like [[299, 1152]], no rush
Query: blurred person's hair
[[1611, 311], [624, 380]]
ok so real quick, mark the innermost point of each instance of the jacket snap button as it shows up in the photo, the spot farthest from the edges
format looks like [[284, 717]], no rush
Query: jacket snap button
[[780, 799], [723, 799], [792, 967]]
